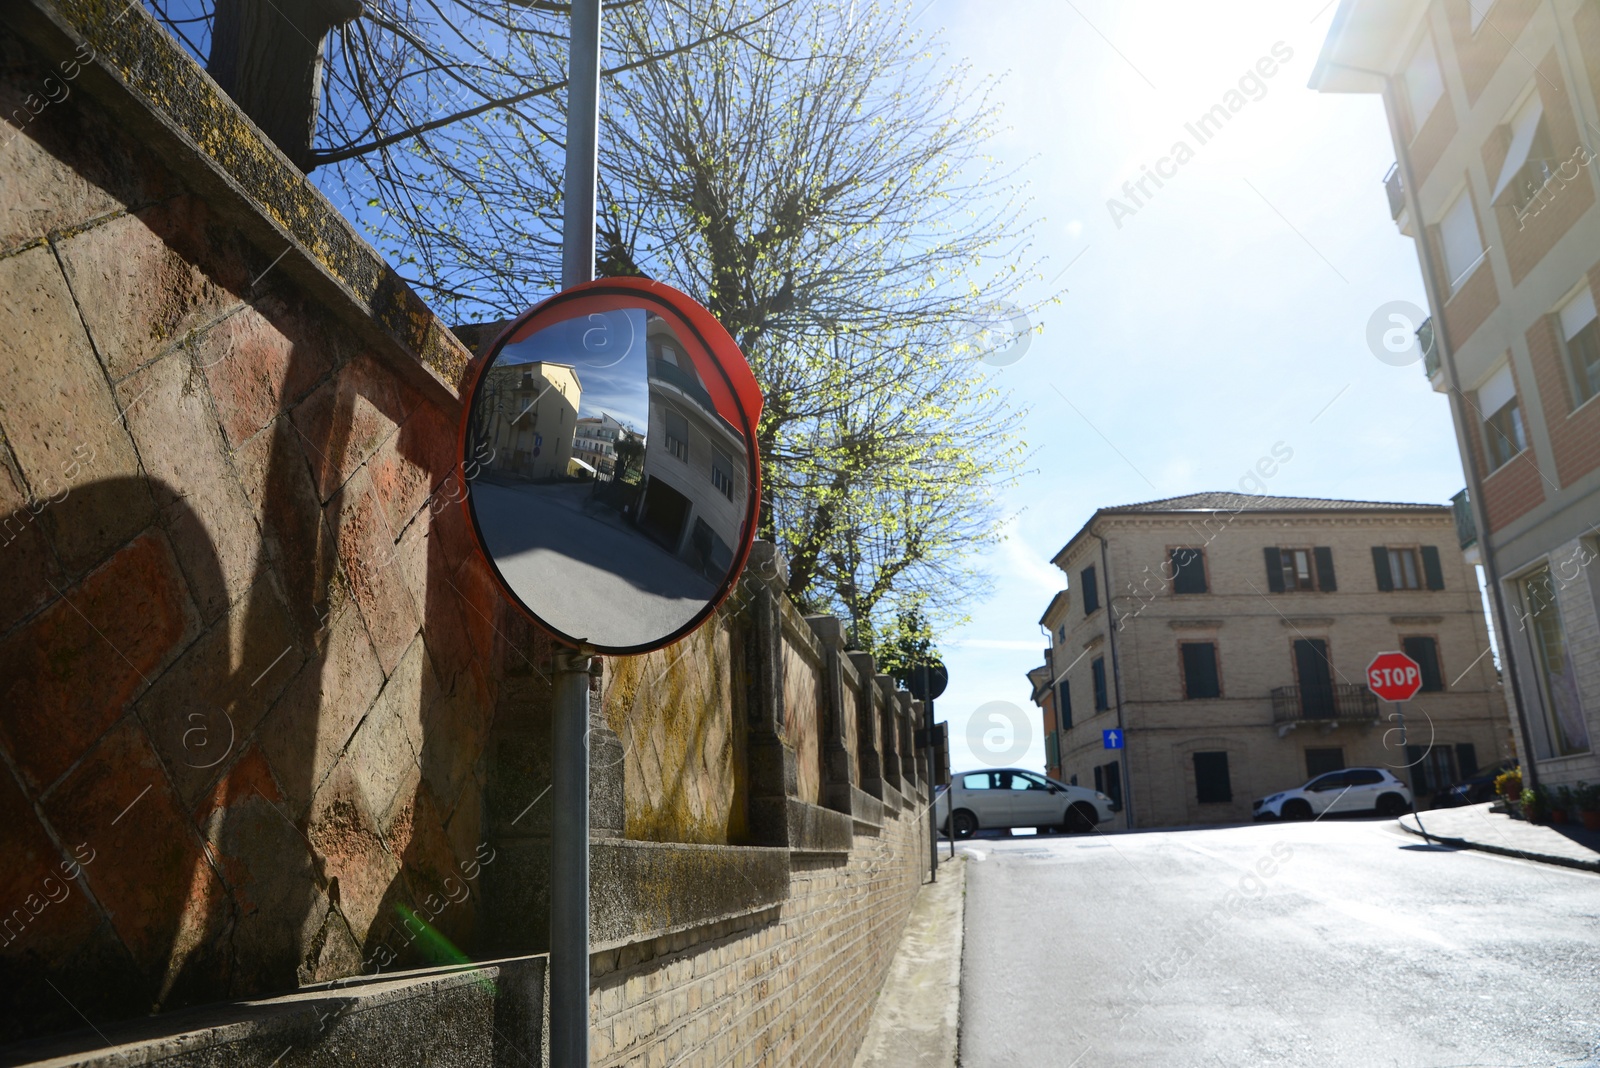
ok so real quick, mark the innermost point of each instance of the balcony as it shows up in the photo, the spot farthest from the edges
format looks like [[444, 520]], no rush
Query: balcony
[[1466, 524], [1326, 705], [1430, 348], [1396, 191]]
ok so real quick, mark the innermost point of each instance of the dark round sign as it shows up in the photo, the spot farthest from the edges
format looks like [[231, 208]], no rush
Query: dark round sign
[[927, 681], [608, 448]]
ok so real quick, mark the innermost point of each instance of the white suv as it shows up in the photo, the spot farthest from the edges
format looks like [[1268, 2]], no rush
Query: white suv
[[1009, 797], [1351, 790]]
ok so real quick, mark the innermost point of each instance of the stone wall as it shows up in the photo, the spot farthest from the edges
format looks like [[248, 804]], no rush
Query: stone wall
[[269, 731]]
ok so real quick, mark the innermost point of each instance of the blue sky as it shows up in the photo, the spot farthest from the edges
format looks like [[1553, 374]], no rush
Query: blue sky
[[607, 351], [1227, 315]]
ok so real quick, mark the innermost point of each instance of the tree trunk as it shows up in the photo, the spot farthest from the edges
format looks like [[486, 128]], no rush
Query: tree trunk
[[268, 56]]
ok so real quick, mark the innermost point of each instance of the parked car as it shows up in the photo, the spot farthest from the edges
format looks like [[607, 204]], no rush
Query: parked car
[[1009, 797], [1339, 793], [1474, 789]]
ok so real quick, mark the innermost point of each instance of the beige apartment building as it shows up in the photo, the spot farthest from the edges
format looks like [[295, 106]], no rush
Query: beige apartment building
[[1494, 110], [1225, 638]]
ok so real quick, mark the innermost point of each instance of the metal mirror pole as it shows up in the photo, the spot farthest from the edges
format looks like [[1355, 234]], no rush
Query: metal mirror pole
[[569, 765]]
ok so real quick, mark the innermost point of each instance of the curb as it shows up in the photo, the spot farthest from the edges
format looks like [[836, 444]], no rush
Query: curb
[[1504, 851]]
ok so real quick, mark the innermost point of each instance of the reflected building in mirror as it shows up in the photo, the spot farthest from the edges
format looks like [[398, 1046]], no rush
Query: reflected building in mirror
[[526, 420], [596, 445], [695, 463]]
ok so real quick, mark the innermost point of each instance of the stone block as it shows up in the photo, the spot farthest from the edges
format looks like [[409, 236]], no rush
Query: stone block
[[369, 557], [207, 516], [309, 726], [71, 671], [28, 570], [344, 833], [261, 361], [64, 165], [272, 469], [266, 865], [139, 283], [346, 419], [149, 872], [60, 419], [221, 686]]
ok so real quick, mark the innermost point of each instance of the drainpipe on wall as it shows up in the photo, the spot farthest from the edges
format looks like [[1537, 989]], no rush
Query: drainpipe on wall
[[1116, 680], [1458, 415]]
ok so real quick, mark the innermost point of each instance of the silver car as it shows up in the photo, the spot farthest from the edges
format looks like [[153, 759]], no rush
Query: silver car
[[1009, 797]]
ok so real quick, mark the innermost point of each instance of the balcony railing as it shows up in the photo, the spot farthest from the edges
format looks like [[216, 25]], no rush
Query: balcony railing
[[1430, 347], [1396, 191], [1466, 524], [1293, 704]]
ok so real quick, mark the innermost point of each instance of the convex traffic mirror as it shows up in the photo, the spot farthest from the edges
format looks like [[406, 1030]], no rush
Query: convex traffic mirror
[[609, 453]]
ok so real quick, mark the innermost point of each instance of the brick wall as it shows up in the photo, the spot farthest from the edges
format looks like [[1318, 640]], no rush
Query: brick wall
[[1481, 54], [1574, 430]]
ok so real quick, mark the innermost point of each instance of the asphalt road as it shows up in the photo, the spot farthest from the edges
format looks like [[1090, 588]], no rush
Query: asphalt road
[[1328, 944], [564, 559]]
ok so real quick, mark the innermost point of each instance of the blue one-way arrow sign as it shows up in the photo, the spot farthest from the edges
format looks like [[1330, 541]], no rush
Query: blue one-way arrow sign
[[1113, 739]]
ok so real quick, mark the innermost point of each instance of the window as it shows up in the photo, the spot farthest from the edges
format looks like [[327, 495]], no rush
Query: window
[[1061, 632], [1211, 784], [1466, 759], [1365, 777], [1530, 161], [1021, 780], [978, 780], [1407, 567], [1459, 240], [722, 472], [1403, 571], [1200, 676], [1425, 651], [1064, 705], [677, 435], [1322, 761], [1188, 570], [1098, 671], [1502, 416], [1424, 83], [1556, 677], [1581, 332], [1108, 780], [1091, 591], [1300, 569]]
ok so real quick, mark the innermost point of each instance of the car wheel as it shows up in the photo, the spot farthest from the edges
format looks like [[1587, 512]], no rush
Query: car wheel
[[1392, 805], [1079, 819], [966, 824], [1296, 809]]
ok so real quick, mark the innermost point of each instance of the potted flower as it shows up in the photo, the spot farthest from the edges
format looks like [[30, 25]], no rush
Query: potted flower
[[1534, 806], [1588, 798], [1561, 804], [1508, 787]]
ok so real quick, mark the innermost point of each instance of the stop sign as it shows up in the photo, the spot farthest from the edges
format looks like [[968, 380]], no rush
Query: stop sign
[[1394, 676]]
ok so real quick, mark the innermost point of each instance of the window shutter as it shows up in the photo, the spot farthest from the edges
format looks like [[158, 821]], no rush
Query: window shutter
[[1100, 778], [1064, 706], [1091, 591], [1380, 568], [1052, 749], [1211, 780], [1425, 651], [1200, 678], [1274, 568], [1466, 759], [1188, 571], [1419, 771], [1325, 580], [1098, 671], [1431, 569]]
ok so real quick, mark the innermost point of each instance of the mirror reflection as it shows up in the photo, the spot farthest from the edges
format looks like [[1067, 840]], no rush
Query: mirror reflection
[[607, 486]]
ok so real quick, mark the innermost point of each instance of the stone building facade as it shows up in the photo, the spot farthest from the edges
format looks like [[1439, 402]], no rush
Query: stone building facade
[[1225, 636], [1494, 110], [267, 730]]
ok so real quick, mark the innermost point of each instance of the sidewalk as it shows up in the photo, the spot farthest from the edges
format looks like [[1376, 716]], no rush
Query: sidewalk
[[915, 1020], [1475, 827]]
